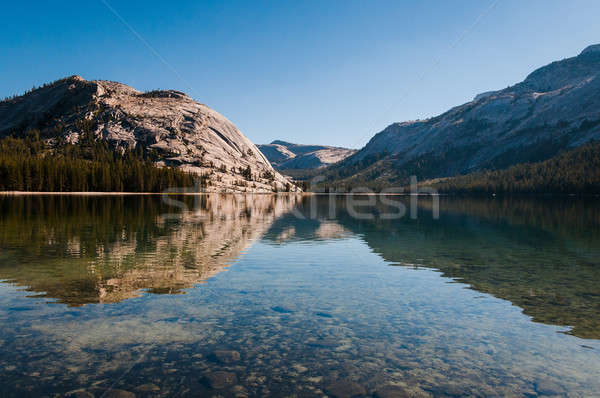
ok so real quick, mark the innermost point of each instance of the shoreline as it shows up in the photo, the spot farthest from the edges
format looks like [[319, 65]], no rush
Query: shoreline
[[85, 193], [90, 193], [462, 194]]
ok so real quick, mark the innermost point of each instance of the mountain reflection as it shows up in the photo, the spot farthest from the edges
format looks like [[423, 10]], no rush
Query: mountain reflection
[[540, 254], [81, 250]]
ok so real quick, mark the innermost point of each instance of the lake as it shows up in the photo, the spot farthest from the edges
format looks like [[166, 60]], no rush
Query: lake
[[260, 295]]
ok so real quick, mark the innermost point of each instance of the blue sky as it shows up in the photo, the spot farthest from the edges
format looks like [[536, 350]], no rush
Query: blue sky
[[318, 72]]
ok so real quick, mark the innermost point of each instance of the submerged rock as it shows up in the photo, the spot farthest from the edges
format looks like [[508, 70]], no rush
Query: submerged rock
[[220, 379], [282, 310], [116, 393], [548, 387], [149, 387], [391, 392], [239, 391], [345, 389], [80, 394], [226, 356]]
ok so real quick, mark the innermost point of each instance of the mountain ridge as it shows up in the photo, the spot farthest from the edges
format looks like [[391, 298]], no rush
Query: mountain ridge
[[556, 107]]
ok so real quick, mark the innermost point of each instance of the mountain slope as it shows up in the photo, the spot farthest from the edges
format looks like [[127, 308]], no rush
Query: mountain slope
[[554, 108], [284, 155], [574, 171], [176, 130]]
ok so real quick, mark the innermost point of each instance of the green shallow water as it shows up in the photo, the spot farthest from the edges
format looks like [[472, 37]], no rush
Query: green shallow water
[[224, 295]]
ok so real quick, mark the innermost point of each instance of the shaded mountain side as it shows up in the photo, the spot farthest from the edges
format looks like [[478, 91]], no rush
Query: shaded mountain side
[[557, 107], [575, 171], [177, 131], [287, 156]]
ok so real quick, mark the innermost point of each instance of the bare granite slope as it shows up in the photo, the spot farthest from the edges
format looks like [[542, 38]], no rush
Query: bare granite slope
[[182, 132]]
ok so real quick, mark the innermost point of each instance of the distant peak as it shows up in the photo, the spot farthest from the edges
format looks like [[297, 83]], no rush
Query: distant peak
[[591, 49]]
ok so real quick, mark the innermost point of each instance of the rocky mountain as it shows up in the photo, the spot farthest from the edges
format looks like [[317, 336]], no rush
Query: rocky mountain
[[175, 129], [556, 107], [284, 155]]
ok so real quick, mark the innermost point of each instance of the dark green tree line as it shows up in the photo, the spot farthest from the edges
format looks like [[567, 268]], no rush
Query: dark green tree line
[[28, 163], [573, 172]]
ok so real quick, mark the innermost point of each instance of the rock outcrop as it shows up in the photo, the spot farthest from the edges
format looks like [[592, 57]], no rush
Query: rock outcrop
[[178, 130]]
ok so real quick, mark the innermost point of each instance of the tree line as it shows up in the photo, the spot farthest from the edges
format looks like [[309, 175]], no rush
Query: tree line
[[576, 171], [29, 163]]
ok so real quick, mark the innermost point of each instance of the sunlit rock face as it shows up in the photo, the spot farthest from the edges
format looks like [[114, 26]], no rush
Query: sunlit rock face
[[180, 131], [110, 253]]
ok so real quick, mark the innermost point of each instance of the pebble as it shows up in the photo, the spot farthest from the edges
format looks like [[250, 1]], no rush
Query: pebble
[[299, 368]]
